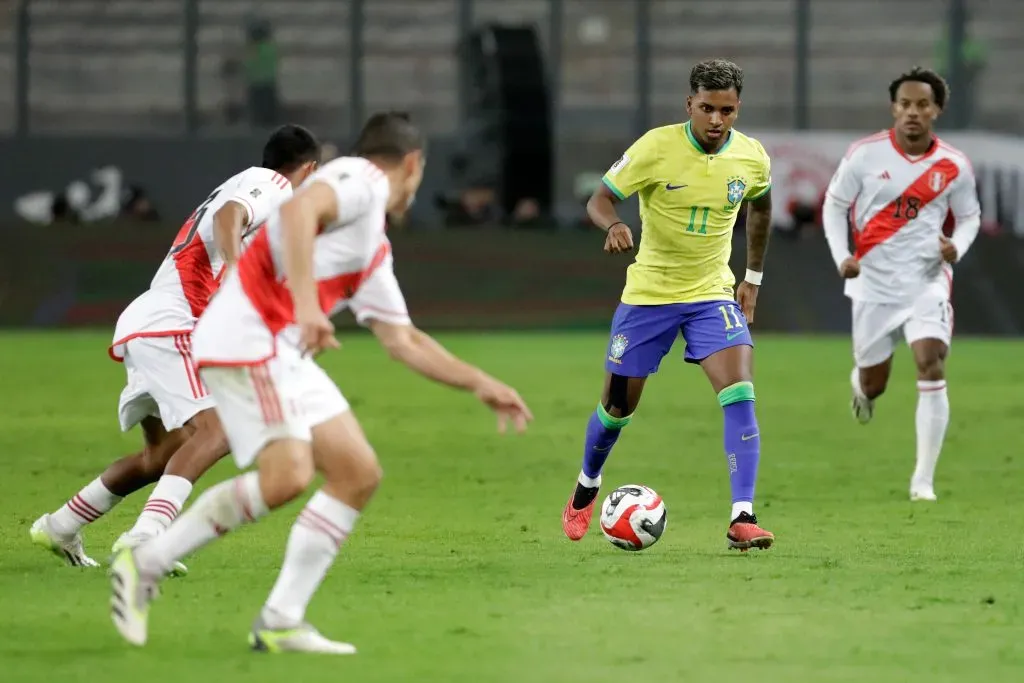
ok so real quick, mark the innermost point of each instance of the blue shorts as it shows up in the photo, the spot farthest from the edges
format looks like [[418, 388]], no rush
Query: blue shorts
[[642, 335]]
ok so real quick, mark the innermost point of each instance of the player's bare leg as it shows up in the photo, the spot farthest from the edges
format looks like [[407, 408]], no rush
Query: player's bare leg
[[285, 470], [204, 445], [60, 531], [932, 416], [619, 400], [867, 385], [352, 475], [730, 372]]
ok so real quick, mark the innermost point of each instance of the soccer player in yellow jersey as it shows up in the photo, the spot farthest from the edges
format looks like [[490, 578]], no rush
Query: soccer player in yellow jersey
[[692, 179]]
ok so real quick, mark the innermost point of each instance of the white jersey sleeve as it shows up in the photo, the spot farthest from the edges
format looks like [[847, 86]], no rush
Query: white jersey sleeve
[[842, 192], [259, 194], [354, 192], [380, 298], [966, 210]]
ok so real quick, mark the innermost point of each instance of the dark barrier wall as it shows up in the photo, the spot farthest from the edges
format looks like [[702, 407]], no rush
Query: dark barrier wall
[[177, 173], [484, 278]]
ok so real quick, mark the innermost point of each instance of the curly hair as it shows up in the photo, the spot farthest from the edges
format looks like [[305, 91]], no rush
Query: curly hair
[[940, 89], [716, 74]]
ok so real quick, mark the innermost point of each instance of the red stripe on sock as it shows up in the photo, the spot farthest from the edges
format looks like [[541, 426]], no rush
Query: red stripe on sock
[[338, 531], [79, 512], [938, 388], [314, 524], [163, 507], [83, 509]]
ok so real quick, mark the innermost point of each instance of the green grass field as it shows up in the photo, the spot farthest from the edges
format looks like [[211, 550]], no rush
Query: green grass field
[[459, 571]]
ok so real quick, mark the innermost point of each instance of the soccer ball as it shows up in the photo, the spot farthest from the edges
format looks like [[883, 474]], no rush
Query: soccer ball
[[633, 517]]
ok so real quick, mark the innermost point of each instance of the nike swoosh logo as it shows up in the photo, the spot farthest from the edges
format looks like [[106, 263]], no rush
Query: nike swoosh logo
[[748, 437], [670, 186], [732, 336]]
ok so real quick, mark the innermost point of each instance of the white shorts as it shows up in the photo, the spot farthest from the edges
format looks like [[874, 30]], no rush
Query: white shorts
[[162, 382], [878, 327], [282, 398]]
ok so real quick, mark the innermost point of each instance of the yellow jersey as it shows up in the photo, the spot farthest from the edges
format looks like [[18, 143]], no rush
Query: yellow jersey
[[689, 201]]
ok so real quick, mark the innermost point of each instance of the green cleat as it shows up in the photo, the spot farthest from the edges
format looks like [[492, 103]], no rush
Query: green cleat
[[302, 638], [131, 593]]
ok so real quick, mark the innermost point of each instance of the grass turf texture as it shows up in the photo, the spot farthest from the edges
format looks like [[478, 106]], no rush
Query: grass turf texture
[[459, 571]]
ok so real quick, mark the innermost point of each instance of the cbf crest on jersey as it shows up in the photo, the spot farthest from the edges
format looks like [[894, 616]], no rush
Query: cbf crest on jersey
[[735, 189], [617, 347]]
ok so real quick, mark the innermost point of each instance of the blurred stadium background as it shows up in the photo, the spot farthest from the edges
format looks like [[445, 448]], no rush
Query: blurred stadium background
[[117, 116]]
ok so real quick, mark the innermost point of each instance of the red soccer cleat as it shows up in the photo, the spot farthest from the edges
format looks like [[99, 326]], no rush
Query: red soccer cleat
[[744, 534], [576, 523]]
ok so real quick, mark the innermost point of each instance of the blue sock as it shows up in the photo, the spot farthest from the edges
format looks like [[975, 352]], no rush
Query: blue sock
[[742, 442], [602, 433]]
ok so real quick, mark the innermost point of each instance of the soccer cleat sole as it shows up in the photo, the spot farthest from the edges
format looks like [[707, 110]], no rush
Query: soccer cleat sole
[[259, 643], [761, 543]]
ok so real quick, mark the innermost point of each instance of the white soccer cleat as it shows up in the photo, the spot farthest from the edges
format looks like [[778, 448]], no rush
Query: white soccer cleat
[[68, 549], [131, 593], [302, 638], [863, 409], [923, 493], [130, 540]]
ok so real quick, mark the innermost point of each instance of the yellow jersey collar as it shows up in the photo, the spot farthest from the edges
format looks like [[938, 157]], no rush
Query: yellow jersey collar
[[693, 141]]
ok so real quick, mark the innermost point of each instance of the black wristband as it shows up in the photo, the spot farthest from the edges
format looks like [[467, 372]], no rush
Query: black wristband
[[613, 225]]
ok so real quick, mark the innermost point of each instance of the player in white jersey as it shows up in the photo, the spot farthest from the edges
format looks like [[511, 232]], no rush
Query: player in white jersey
[[898, 187], [164, 393], [324, 250]]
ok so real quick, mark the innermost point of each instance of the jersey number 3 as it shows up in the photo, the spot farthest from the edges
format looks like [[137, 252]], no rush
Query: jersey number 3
[[187, 232]]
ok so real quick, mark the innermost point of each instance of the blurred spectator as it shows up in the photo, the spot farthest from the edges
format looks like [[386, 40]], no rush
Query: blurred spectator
[[233, 80], [974, 55], [136, 205], [261, 73]]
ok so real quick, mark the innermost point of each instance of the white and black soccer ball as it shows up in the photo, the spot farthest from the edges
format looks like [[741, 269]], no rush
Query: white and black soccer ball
[[633, 517]]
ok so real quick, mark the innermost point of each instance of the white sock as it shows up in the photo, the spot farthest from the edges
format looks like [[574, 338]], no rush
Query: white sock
[[219, 510], [85, 507], [931, 420], [741, 507], [322, 526], [163, 505], [589, 482], [855, 384]]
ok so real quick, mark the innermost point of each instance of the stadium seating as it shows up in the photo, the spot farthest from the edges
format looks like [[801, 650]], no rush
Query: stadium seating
[[118, 64]]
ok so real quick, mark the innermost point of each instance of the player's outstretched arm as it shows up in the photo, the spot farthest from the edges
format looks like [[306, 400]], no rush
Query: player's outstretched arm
[[424, 355], [300, 217]]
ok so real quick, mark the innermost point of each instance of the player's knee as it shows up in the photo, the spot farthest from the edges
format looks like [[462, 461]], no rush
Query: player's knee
[[873, 385], [286, 471], [368, 478], [931, 368], [620, 399]]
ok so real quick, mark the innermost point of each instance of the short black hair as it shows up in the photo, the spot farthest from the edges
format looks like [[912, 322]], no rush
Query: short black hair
[[940, 89], [716, 74], [389, 135], [289, 147]]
